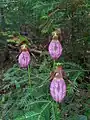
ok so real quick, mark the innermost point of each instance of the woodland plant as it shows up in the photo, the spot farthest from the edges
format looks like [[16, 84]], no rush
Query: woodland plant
[[57, 86], [24, 58], [49, 97]]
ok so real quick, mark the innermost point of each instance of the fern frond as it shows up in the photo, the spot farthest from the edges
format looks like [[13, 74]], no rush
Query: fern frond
[[43, 109], [53, 114]]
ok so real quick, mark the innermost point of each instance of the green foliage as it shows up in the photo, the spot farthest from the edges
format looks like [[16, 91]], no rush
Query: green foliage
[[3, 37], [71, 16], [31, 103]]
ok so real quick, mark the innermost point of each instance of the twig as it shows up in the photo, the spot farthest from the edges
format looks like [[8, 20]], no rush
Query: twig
[[36, 51]]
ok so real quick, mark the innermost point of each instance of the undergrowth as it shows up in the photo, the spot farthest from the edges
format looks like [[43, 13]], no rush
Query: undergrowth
[[23, 102]]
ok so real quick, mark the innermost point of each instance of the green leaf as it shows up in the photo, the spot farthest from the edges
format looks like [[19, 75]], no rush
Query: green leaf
[[31, 115], [44, 17], [17, 84]]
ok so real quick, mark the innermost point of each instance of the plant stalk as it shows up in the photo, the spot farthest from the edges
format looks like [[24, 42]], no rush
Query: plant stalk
[[29, 71]]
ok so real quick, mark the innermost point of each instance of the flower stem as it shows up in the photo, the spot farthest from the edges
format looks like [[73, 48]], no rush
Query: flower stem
[[29, 71], [54, 64]]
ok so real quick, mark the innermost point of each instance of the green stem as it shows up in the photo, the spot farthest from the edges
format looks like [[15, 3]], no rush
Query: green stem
[[29, 70], [54, 64]]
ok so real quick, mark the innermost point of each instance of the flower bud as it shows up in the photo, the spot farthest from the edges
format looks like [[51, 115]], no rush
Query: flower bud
[[55, 49], [58, 89], [24, 59]]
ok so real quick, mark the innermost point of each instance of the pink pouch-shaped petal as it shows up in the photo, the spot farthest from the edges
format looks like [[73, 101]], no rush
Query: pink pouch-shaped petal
[[58, 89], [24, 59], [55, 49]]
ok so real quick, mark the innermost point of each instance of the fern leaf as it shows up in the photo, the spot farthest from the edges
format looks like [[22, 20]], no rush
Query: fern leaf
[[43, 109], [53, 117]]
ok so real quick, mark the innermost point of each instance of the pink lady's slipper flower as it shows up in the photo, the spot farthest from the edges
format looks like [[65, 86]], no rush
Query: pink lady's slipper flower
[[58, 89], [58, 86], [24, 59], [55, 48]]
